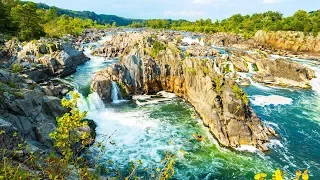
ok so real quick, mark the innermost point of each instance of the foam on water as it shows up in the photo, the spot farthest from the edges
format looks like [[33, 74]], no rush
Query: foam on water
[[247, 148], [191, 40], [275, 100], [162, 96]]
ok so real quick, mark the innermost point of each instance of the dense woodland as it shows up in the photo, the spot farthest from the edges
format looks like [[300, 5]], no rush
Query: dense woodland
[[243, 24], [27, 22], [30, 21]]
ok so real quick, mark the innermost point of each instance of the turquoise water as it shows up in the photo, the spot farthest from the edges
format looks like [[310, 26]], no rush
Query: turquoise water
[[144, 132]]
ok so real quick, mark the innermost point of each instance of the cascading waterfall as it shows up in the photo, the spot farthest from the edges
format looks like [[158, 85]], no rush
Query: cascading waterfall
[[92, 103], [115, 93], [201, 42], [250, 67], [95, 102], [216, 68]]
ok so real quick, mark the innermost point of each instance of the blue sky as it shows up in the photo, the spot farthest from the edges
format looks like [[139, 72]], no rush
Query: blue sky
[[184, 9]]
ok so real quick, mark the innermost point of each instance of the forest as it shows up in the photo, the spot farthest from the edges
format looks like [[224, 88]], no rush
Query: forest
[[248, 25], [28, 20]]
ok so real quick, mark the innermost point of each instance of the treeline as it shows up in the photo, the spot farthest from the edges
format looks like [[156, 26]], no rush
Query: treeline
[[247, 25], [99, 18], [26, 21]]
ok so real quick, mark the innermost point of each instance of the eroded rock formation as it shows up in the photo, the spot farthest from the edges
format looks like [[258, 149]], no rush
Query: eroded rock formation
[[222, 105], [289, 40]]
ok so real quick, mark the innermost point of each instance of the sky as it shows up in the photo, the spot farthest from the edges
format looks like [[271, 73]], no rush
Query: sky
[[184, 9]]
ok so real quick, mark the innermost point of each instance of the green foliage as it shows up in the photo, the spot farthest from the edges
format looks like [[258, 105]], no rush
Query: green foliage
[[227, 69], [280, 175], [9, 170], [193, 71], [240, 94], [101, 19], [218, 84], [67, 133], [206, 70], [27, 21], [255, 67], [17, 68], [157, 46], [247, 25]]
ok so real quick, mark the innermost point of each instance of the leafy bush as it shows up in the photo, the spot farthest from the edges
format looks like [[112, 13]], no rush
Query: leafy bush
[[240, 94], [157, 46], [255, 67], [17, 68]]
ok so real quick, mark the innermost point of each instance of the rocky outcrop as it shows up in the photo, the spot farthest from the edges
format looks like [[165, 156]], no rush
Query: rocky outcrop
[[223, 39], [197, 50], [222, 105], [239, 63], [30, 113], [117, 46], [283, 73], [289, 40], [43, 59]]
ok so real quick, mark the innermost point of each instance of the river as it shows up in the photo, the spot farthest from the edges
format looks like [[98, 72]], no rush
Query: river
[[144, 131]]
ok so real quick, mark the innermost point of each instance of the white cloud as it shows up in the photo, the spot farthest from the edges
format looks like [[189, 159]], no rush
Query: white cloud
[[271, 1], [184, 13], [203, 1]]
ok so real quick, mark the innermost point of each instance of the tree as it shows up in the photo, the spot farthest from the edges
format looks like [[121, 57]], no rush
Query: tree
[[26, 18]]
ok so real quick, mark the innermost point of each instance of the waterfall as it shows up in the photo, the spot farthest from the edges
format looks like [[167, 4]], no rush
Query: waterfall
[[115, 92], [95, 102], [250, 67], [82, 103], [201, 42], [216, 68], [315, 82], [91, 103]]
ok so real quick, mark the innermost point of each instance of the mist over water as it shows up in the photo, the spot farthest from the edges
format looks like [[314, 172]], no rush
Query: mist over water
[[144, 130]]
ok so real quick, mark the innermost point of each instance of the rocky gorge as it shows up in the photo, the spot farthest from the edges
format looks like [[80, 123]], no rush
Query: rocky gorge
[[210, 72], [219, 101]]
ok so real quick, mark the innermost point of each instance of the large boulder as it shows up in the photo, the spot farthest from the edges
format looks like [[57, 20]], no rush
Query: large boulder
[[282, 72]]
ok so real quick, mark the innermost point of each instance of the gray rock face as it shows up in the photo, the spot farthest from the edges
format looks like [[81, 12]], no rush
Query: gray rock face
[[228, 116], [27, 109], [44, 58], [285, 73], [8, 140]]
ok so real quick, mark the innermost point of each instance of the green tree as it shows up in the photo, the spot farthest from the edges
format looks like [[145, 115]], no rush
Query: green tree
[[26, 18]]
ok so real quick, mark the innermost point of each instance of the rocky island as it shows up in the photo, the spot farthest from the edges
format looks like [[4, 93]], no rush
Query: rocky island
[[81, 100]]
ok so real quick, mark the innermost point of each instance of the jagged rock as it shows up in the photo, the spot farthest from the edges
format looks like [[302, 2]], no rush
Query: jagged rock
[[7, 138], [283, 72], [289, 40], [197, 50], [239, 63], [230, 118], [29, 111]]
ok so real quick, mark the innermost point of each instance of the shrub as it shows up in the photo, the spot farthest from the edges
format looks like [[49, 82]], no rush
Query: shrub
[[218, 85], [227, 69], [240, 94], [157, 46], [255, 67], [206, 70], [17, 68]]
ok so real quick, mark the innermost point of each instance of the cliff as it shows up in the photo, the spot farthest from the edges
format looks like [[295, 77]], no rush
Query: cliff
[[150, 65], [289, 40]]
